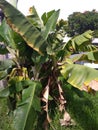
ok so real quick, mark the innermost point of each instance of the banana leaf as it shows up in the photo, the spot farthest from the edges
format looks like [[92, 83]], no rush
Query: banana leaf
[[86, 57], [25, 112], [50, 20], [81, 43], [7, 35], [4, 92], [5, 64], [3, 74], [20, 24], [79, 76], [34, 18], [10, 39]]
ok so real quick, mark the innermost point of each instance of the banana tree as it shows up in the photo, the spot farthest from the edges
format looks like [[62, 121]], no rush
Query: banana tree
[[40, 65]]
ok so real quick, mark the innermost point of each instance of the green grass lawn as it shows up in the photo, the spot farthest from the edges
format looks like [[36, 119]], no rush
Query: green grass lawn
[[82, 107], [5, 121]]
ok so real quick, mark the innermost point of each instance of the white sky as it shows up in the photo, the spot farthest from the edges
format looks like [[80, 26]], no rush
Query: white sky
[[67, 7]]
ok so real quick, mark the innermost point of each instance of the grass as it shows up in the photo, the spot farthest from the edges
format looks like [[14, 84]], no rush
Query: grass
[[5, 121], [82, 107]]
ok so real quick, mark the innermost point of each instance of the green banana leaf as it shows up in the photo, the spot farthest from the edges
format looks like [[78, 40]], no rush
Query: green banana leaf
[[10, 39], [25, 112], [20, 24], [81, 43], [79, 76], [14, 86], [5, 64], [50, 22], [3, 74], [4, 93], [7, 35], [34, 18], [87, 57], [84, 38], [46, 16]]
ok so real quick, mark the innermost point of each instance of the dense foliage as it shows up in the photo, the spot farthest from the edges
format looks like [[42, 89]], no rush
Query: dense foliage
[[41, 66], [79, 22]]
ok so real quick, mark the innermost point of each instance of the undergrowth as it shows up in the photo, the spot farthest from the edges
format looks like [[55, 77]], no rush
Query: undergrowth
[[82, 107]]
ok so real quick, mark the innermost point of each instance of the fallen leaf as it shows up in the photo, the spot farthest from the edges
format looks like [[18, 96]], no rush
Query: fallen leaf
[[67, 121]]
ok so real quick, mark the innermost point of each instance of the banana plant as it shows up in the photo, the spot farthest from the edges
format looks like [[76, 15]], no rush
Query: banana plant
[[41, 65]]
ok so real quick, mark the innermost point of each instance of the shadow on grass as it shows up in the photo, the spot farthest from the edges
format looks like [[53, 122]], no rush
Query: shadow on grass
[[83, 108]]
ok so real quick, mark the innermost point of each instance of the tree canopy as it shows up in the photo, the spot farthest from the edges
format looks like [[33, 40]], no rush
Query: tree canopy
[[79, 22]]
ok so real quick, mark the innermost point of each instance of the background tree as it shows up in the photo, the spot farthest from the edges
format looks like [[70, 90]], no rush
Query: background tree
[[79, 22]]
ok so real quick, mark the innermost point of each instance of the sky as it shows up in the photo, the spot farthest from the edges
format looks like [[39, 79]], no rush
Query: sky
[[66, 7]]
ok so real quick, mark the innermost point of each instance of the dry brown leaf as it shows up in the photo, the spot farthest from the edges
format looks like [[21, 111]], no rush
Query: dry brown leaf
[[84, 88], [67, 121], [61, 99], [94, 85], [91, 87], [45, 95]]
